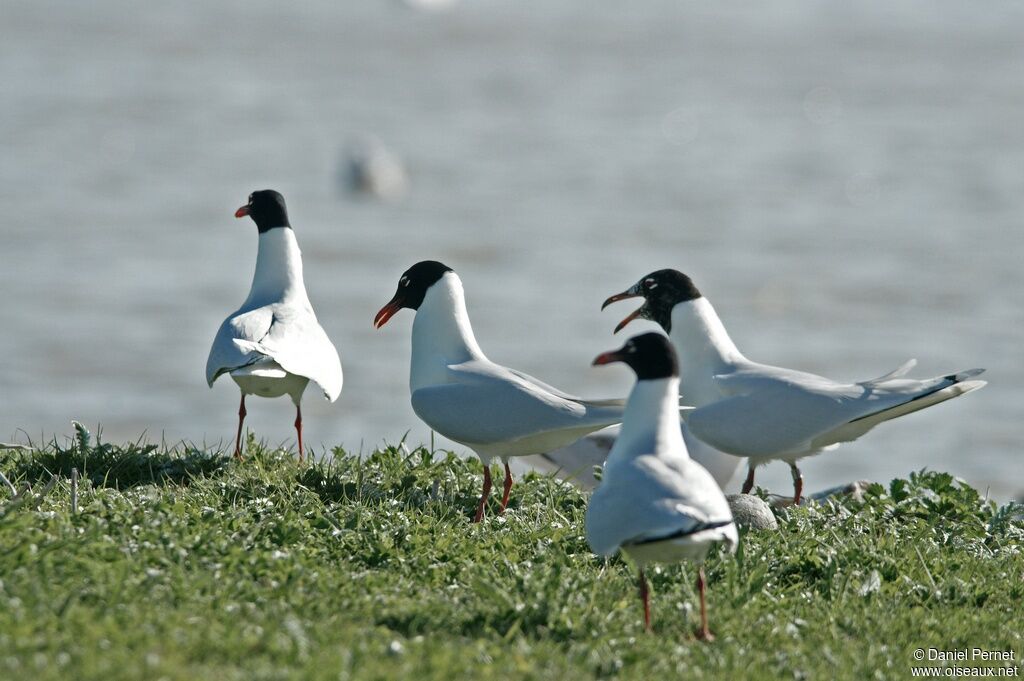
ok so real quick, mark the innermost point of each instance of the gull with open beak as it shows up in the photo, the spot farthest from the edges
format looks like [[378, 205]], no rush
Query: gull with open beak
[[495, 411], [764, 412], [273, 344], [654, 502]]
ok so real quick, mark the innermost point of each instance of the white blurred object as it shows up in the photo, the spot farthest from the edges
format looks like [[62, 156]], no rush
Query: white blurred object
[[429, 5], [371, 169]]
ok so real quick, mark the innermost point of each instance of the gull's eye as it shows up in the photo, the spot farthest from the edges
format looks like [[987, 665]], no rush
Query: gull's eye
[[404, 281], [630, 348], [650, 284]]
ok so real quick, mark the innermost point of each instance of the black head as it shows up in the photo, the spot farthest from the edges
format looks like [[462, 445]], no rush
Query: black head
[[650, 355], [412, 287], [661, 291], [266, 208]]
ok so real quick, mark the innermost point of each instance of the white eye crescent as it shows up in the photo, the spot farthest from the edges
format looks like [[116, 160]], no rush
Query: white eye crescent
[[405, 281], [651, 284]]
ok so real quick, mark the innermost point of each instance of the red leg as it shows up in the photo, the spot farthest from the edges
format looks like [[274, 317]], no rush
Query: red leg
[[238, 436], [748, 484], [645, 596], [298, 428], [704, 634], [798, 483], [508, 488], [483, 497]]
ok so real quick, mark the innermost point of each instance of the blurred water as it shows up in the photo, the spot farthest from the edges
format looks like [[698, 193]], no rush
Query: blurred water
[[845, 182]]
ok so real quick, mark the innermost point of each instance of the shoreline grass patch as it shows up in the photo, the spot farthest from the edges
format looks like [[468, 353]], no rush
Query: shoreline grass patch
[[184, 564]]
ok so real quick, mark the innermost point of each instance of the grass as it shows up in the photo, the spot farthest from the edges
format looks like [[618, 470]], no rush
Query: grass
[[184, 564]]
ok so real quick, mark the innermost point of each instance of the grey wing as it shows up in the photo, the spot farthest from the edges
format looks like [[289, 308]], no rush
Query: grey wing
[[487, 403], [773, 411], [613, 402], [649, 498], [236, 343]]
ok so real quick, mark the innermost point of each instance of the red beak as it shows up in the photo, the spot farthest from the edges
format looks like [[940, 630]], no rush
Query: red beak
[[629, 293], [242, 212], [607, 358], [388, 311], [632, 315], [619, 296]]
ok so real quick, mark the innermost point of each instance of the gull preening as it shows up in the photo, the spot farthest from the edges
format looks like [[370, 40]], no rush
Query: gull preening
[[273, 344], [768, 413], [654, 502], [495, 411]]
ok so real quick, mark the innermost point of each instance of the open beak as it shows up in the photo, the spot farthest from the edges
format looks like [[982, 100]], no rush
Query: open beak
[[242, 212], [633, 292], [607, 358], [388, 311]]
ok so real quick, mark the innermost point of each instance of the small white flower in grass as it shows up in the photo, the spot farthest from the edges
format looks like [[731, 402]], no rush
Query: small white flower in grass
[[794, 627], [396, 648], [153, 573], [279, 555], [870, 585]]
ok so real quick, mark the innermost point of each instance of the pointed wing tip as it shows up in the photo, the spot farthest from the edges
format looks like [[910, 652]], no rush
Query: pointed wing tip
[[970, 386]]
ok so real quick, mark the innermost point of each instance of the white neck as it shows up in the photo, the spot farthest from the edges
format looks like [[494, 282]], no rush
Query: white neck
[[441, 333], [704, 349], [278, 274], [651, 421]]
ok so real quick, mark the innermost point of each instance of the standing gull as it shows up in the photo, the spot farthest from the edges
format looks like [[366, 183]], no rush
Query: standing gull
[[273, 345], [495, 411], [654, 502], [764, 412]]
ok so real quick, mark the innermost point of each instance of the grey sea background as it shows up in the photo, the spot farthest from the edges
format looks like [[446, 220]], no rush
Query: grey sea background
[[844, 181]]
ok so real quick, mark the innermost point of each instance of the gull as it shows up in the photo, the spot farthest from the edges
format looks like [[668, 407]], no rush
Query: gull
[[655, 503], [495, 411], [273, 345], [765, 412]]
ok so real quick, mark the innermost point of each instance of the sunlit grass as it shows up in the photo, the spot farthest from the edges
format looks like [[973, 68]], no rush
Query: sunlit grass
[[185, 564]]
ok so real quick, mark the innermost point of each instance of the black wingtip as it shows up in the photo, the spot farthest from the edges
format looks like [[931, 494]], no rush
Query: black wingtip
[[964, 375]]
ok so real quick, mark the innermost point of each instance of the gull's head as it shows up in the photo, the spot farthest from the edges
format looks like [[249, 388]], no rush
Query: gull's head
[[412, 288], [266, 208], [661, 290], [650, 355]]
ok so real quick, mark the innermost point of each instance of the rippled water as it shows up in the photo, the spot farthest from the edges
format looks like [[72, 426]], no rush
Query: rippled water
[[845, 183]]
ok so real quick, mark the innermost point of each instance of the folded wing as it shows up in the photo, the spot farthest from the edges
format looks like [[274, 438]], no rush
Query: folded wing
[[651, 499], [771, 411], [486, 403], [290, 336]]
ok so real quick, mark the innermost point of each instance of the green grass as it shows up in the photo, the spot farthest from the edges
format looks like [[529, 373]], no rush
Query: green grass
[[184, 564]]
